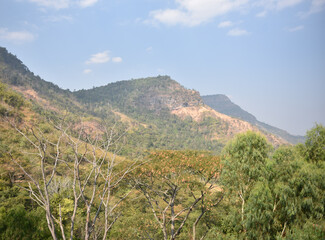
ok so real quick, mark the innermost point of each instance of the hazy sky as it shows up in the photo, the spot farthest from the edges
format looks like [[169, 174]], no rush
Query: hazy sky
[[268, 56]]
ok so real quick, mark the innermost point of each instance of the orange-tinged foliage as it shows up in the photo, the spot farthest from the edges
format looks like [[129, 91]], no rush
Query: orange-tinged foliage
[[191, 171], [175, 164]]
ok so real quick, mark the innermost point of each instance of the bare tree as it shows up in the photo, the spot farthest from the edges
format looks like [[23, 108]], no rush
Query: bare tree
[[91, 162], [180, 178]]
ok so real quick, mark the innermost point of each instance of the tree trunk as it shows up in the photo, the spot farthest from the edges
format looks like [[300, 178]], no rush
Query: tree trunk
[[172, 225], [196, 222]]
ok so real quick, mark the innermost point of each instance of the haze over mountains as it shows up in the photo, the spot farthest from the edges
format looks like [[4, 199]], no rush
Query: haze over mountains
[[223, 104], [159, 112]]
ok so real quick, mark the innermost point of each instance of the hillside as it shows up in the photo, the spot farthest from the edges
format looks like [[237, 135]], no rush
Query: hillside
[[46, 94], [156, 101], [149, 103], [223, 104], [149, 128], [158, 112], [147, 94], [132, 156]]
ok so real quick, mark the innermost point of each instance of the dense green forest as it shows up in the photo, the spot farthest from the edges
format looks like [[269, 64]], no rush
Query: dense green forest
[[114, 163]]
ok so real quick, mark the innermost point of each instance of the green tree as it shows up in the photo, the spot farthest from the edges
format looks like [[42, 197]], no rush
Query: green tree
[[315, 144], [281, 170], [259, 212], [297, 187], [243, 163]]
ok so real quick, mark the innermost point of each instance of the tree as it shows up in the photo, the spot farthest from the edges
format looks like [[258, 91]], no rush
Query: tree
[[282, 173], [175, 183], [88, 159], [259, 214], [243, 163], [315, 144]]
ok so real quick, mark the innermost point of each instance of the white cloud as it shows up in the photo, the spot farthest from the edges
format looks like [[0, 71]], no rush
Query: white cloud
[[295, 29], [62, 4], [261, 14], [196, 12], [87, 3], [225, 24], [316, 6], [101, 57], [60, 18], [87, 71], [281, 4], [16, 37], [117, 59], [236, 32], [171, 17], [56, 4], [277, 4], [149, 49]]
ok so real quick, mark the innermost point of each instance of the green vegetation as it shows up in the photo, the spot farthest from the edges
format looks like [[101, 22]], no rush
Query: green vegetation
[[114, 163], [148, 103], [251, 192], [277, 193]]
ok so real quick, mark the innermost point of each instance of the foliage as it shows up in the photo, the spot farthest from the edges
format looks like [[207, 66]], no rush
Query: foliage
[[244, 160], [250, 191], [148, 102], [276, 194], [10, 98], [315, 142], [175, 183]]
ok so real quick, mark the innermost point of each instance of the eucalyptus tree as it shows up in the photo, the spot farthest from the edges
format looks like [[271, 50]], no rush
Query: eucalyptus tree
[[315, 144], [243, 161]]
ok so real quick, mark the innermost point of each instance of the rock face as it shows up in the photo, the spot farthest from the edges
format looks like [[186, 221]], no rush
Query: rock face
[[171, 96], [228, 126]]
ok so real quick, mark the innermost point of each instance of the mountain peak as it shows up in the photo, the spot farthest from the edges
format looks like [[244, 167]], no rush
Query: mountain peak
[[152, 94]]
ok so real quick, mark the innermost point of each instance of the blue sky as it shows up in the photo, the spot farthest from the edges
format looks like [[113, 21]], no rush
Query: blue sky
[[268, 56]]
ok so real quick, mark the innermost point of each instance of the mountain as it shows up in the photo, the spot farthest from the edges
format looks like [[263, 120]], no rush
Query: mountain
[[157, 112], [168, 108], [15, 74], [58, 161], [149, 94], [223, 104]]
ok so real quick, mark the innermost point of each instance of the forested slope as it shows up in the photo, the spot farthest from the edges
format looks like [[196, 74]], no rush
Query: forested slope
[[63, 177]]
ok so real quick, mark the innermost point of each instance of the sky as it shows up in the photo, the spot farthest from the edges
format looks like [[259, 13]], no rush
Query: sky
[[268, 56]]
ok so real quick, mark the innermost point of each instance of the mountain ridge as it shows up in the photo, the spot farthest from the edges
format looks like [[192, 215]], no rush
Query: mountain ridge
[[223, 104], [156, 109], [154, 95]]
